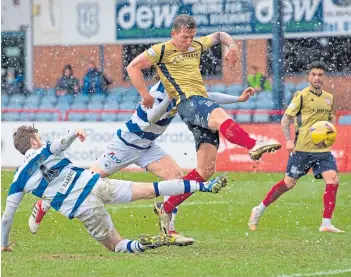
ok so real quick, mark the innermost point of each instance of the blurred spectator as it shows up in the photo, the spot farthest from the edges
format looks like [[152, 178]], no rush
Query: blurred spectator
[[13, 84], [67, 84], [258, 81], [95, 81]]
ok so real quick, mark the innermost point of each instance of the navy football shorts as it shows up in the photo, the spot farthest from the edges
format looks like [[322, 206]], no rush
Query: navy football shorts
[[301, 162], [195, 112]]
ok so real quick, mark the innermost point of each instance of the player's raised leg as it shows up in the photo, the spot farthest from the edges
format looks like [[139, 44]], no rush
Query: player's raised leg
[[175, 187], [332, 184], [220, 120]]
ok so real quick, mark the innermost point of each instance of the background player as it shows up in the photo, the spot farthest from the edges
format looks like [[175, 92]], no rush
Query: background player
[[177, 62], [79, 193], [309, 106]]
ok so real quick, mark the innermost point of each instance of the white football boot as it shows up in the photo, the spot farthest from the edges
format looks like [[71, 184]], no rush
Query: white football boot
[[262, 147]]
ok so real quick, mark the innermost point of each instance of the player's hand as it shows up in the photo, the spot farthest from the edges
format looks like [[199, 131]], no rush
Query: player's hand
[[7, 248], [232, 56], [290, 146], [246, 94], [148, 101], [81, 134]]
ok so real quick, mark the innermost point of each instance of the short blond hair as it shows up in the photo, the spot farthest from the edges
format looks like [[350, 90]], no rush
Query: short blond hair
[[183, 21]]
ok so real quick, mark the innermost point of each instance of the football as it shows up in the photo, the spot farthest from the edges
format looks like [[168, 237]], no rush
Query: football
[[323, 134]]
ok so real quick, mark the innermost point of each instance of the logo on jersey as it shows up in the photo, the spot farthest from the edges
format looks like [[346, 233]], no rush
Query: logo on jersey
[[88, 19], [191, 48], [185, 56], [292, 106], [113, 158], [107, 164], [327, 100], [68, 181], [151, 52], [342, 3], [62, 144]]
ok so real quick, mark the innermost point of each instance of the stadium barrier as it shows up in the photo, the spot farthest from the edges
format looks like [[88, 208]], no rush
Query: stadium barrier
[[63, 115], [36, 111], [178, 141]]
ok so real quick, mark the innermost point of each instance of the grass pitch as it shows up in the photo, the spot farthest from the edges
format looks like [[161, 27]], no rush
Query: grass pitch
[[287, 242]]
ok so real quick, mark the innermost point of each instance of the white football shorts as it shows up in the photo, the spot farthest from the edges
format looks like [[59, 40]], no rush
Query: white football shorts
[[118, 156], [92, 212]]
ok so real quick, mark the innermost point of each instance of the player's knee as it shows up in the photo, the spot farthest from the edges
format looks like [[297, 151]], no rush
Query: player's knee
[[290, 182], [217, 117], [176, 173], [332, 179]]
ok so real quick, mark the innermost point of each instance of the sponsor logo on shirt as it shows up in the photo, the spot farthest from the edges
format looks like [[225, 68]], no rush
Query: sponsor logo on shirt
[[113, 158], [68, 181], [317, 110]]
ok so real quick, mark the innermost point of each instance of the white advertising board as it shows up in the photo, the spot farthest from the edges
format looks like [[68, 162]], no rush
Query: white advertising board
[[178, 141], [75, 22], [14, 15], [337, 17]]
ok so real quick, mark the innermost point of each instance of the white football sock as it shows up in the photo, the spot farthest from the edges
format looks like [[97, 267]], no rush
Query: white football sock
[[130, 246], [173, 219], [176, 187], [261, 207], [326, 222], [45, 206]]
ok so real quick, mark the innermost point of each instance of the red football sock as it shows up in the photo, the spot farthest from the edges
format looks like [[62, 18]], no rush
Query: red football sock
[[330, 199], [174, 201], [235, 134], [277, 190]]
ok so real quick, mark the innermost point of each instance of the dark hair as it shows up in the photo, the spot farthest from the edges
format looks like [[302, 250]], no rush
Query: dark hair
[[183, 21], [69, 67], [22, 136], [317, 64]]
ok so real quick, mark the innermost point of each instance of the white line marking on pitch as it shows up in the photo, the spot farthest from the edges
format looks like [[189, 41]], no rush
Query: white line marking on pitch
[[321, 273], [196, 203], [118, 207]]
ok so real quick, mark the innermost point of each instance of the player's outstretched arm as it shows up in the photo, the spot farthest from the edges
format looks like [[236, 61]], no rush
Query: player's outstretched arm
[[159, 109], [12, 203], [61, 144], [285, 122], [135, 73], [222, 98]]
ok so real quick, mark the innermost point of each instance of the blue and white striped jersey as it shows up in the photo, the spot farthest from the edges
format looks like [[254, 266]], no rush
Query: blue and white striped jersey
[[48, 174], [138, 132]]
